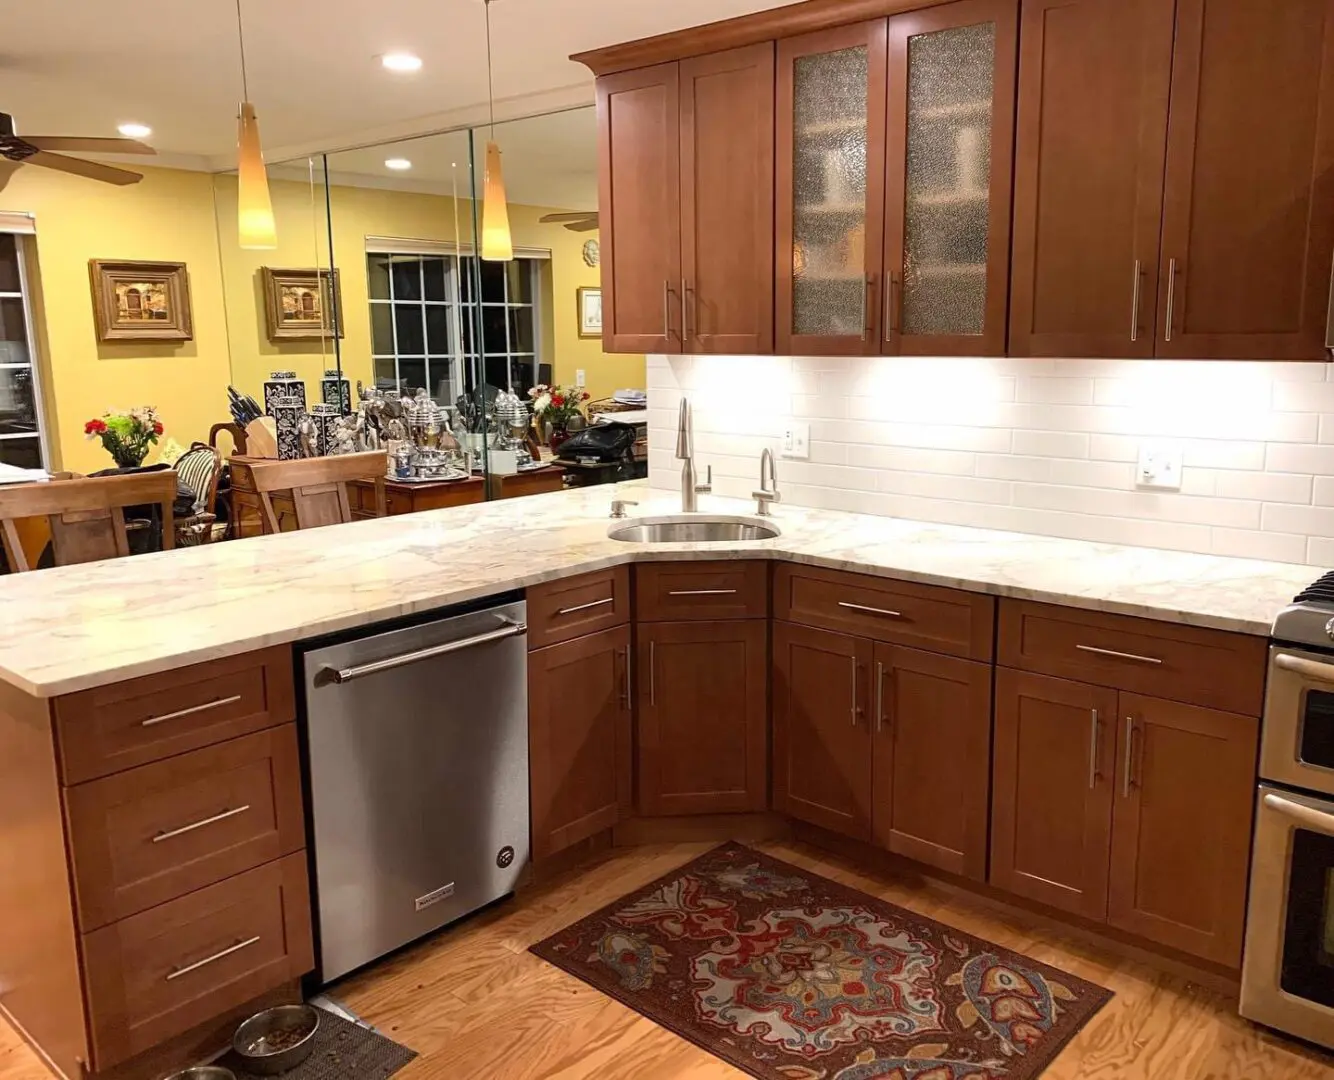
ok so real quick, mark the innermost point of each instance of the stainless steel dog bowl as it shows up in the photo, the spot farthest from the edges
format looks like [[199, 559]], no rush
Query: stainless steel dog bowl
[[263, 1046], [204, 1072]]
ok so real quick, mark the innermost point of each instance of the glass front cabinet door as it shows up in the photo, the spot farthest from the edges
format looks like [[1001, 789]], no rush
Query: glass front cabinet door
[[894, 156]]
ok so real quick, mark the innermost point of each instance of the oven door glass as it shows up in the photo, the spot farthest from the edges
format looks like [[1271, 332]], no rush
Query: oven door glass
[[1297, 744], [1315, 745], [1308, 939]]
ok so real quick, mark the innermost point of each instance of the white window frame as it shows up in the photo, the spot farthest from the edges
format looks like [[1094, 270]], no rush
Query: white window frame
[[23, 227]]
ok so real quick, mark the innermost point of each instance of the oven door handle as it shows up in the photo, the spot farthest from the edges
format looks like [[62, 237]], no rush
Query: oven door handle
[[1306, 816], [1310, 669]]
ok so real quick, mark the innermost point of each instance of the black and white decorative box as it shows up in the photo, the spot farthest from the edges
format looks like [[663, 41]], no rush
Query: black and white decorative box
[[287, 413], [326, 417], [283, 384], [336, 390]]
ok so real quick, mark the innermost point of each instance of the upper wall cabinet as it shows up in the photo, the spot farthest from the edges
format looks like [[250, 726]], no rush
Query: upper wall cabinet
[[686, 201], [950, 144], [1208, 235]]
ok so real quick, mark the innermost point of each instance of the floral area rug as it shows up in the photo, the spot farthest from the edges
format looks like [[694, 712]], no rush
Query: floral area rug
[[790, 976]]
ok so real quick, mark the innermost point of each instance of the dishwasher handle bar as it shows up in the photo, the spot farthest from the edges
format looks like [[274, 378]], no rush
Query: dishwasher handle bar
[[346, 675]]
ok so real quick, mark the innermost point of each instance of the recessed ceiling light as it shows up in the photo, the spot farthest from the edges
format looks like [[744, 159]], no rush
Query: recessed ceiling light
[[135, 131], [399, 163], [401, 62]]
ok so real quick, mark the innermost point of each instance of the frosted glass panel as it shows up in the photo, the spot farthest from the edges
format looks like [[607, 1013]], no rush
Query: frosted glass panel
[[829, 193], [950, 76]]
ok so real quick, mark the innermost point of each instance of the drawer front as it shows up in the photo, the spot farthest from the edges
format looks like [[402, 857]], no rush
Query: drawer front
[[710, 590], [926, 617], [1180, 663], [151, 834], [161, 972], [570, 608], [118, 727]]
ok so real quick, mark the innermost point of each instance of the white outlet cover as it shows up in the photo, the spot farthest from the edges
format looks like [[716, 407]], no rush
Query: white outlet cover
[[797, 441], [1159, 465]]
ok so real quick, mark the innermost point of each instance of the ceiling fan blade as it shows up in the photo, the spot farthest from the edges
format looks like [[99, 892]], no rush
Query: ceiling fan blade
[[88, 146], [587, 225], [91, 169], [577, 216]]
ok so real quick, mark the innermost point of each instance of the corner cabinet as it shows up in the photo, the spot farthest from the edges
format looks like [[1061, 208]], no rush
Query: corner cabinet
[[686, 182]]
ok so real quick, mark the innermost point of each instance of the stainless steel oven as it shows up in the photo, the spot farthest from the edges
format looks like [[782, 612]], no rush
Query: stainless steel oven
[[1288, 964]]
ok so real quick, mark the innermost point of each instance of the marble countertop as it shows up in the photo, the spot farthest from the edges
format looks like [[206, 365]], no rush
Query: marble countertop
[[77, 627]]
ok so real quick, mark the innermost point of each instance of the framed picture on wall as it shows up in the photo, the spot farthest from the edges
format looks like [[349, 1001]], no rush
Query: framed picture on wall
[[301, 304], [140, 301], [590, 312]]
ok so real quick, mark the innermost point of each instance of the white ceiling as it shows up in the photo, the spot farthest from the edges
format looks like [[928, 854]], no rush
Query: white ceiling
[[78, 67]]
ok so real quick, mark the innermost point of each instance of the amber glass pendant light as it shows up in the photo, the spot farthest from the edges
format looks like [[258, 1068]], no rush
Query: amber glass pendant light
[[497, 244], [254, 210]]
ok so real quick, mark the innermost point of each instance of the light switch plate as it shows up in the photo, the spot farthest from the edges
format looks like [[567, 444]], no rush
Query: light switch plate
[[797, 441], [1159, 466], [579, 377]]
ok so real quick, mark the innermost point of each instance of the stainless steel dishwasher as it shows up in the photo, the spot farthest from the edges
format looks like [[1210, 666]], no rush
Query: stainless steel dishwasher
[[418, 760]]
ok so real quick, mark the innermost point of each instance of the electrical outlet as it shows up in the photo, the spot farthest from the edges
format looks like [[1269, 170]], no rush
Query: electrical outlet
[[1159, 466], [579, 377], [797, 441]]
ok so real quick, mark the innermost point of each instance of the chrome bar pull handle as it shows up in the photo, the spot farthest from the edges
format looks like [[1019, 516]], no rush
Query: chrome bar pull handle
[[871, 610], [626, 685], [172, 833], [652, 673], [667, 310], [152, 721], [866, 307], [854, 689], [177, 972], [879, 696], [1306, 816], [685, 316], [346, 675], [1136, 657], [891, 291], [702, 592], [1095, 726], [1128, 778], [1171, 295], [1134, 302], [1307, 669], [585, 607]]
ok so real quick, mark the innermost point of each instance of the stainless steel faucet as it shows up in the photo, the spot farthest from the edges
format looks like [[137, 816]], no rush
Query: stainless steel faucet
[[768, 491], [685, 451]]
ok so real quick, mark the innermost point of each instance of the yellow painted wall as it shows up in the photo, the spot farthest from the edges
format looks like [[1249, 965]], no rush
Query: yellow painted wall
[[189, 217], [167, 217]]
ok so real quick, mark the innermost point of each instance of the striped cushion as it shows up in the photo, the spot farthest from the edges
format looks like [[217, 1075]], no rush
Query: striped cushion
[[196, 469]]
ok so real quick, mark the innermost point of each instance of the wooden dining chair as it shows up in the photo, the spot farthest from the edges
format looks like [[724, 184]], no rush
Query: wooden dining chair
[[319, 486], [86, 516]]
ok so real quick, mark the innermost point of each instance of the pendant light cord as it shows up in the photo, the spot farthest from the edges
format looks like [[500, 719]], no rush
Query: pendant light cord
[[490, 83], [240, 37]]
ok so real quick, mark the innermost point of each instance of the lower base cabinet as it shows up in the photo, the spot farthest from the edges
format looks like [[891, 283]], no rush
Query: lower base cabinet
[[703, 697], [579, 732], [884, 743], [1125, 809]]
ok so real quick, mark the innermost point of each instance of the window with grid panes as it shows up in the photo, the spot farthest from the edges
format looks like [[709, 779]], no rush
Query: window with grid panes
[[20, 418], [423, 317]]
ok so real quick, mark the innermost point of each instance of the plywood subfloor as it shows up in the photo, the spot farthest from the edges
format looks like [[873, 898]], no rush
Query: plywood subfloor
[[475, 1004]]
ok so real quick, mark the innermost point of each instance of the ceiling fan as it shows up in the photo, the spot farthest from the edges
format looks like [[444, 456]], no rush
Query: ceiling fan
[[40, 150], [580, 221]]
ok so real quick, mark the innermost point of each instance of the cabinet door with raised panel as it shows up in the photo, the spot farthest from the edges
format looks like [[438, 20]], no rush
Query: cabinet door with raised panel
[[579, 738], [1248, 215], [932, 758], [1094, 77], [727, 201], [639, 186], [703, 717], [830, 180], [950, 145], [1055, 744], [1181, 830], [822, 747]]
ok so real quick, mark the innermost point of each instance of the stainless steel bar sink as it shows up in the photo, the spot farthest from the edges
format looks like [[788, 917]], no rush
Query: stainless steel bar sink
[[693, 530]]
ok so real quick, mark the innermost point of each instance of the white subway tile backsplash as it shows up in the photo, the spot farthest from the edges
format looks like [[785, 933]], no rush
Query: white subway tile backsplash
[[1034, 445]]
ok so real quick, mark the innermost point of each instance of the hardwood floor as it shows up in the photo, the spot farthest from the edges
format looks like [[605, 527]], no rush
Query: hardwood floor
[[475, 1004]]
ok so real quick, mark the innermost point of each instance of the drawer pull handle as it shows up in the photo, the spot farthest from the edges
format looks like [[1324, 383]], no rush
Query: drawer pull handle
[[176, 973], [172, 833], [1119, 655], [585, 607], [702, 592], [152, 720], [871, 610]]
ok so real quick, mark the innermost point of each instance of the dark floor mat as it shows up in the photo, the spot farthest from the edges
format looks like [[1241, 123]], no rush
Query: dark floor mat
[[343, 1051]]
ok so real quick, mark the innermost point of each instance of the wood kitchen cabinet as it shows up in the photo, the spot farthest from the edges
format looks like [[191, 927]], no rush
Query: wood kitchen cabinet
[[1126, 809], [822, 759], [1174, 179], [686, 195], [579, 734], [703, 717], [1181, 825], [931, 758]]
